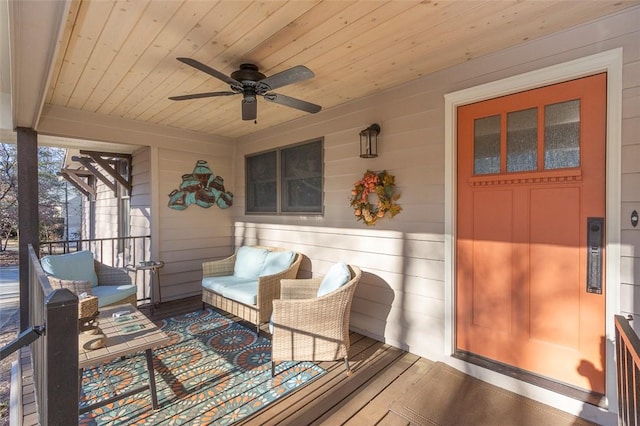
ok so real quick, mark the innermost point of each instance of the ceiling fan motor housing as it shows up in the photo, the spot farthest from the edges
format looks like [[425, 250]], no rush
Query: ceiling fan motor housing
[[248, 72]]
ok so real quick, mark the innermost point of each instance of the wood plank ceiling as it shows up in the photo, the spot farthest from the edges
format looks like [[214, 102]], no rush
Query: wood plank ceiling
[[119, 57]]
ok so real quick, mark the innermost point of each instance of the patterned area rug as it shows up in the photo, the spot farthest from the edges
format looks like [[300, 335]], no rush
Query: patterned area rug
[[214, 371]]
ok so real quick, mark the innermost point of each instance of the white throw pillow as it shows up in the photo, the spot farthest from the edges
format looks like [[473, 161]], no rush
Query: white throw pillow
[[337, 276], [249, 262]]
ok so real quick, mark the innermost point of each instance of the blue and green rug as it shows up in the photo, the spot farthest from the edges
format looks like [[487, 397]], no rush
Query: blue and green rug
[[214, 371]]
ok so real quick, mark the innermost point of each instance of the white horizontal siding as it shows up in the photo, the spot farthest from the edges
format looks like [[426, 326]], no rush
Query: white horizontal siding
[[189, 237], [401, 296]]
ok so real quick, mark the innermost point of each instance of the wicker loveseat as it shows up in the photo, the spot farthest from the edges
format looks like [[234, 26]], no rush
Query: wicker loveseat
[[246, 283], [85, 276], [310, 322]]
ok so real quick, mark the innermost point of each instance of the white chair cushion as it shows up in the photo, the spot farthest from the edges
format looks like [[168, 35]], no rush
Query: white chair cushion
[[277, 261], [76, 266], [337, 276], [218, 284], [243, 293], [249, 262], [110, 294]]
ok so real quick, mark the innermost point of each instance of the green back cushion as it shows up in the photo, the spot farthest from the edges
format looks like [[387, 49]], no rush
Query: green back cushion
[[277, 261], [337, 276], [249, 262], [71, 266]]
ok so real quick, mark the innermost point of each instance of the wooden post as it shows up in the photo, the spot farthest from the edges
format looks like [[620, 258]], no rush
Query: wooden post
[[62, 390], [28, 221]]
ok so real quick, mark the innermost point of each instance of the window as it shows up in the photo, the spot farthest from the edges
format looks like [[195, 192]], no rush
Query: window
[[525, 140], [286, 180]]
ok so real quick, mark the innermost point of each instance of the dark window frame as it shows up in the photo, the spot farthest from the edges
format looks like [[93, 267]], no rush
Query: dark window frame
[[281, 182]]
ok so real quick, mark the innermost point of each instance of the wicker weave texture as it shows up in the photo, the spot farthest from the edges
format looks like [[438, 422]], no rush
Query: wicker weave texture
[[268, 288], [309, 328], [110, 275]]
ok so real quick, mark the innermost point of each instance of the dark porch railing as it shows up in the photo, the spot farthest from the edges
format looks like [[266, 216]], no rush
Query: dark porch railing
[[628, 373], [117, 251], [55, 354]]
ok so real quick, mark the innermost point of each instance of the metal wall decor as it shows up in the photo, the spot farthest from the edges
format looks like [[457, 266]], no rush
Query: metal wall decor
[[201, 187]]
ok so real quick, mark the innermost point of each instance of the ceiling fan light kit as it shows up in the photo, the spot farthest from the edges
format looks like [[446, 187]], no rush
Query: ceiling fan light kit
[[249, 82]]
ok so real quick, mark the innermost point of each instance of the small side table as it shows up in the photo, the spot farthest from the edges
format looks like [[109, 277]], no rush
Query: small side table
[[154, 267]]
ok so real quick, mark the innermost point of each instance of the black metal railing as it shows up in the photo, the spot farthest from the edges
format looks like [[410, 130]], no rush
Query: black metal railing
[[120, 252], [116, 251], [55, 354], [627, 373]]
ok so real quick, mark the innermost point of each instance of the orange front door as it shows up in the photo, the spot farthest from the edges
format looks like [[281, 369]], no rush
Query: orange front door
[[531, 176]]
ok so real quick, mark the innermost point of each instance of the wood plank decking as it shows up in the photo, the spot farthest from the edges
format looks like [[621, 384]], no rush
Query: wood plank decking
[[381, 375]]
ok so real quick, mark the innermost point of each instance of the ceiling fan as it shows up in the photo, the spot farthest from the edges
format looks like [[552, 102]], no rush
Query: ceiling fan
[[250, 83]]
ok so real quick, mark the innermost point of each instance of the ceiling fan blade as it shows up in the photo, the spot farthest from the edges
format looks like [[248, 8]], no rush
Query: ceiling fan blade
[[207, 69], [293, 102], [249, 109], [292, 75], [200, 95]]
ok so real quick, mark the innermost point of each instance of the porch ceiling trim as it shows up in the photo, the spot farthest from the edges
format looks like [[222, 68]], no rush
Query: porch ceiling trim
[[34, 42]]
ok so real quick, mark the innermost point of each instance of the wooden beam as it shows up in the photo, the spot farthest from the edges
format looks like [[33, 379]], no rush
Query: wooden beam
[[86, 162], [74, 177], [97, 157], [28, 220]]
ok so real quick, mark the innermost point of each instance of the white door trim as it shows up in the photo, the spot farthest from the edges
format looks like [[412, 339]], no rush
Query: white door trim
[[610, 62]]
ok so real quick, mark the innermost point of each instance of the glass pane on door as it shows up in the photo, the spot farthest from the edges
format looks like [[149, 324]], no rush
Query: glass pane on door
[[522, 140], [486, 145], [562, 135]]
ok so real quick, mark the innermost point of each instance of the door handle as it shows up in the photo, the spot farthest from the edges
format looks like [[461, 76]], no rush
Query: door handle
[[595, 240]]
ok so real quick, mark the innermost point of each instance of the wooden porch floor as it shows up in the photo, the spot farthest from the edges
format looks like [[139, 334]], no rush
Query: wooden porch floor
[[381, 375]]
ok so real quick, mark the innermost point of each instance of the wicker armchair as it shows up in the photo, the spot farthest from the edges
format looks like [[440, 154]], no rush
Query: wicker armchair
[[121, 289], [310, 328]]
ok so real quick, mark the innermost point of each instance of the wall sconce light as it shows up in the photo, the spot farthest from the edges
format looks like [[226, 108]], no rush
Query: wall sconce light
[[369, 141]]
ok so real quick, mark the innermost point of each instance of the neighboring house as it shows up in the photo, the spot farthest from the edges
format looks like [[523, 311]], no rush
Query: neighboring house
[[419, 266], [73, 215]]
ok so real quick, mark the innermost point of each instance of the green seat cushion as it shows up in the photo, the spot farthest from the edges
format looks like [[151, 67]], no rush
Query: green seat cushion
[[337, 276], [76, 266], [249, 262], [243, 293], [110, 294], [218, 284], [277, 261]]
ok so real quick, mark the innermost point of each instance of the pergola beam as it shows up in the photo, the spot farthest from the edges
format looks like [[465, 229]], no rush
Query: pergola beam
[[98, 158], [86, 162], [75, 178]]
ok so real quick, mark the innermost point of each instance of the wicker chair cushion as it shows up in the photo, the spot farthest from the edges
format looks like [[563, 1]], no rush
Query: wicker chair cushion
[[110, 294], [243, 293], [337, 276], [277, 261], [249, 262], [78, 266], [218, 284]]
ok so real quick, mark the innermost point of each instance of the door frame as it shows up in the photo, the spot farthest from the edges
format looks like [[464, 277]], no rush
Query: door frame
[[610, 62]]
